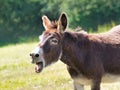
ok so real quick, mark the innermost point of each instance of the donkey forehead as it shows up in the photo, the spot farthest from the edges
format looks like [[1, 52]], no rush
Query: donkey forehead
[[48, 34], [52, 30]]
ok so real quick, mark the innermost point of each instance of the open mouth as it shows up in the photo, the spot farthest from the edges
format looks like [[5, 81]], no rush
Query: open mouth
[[39, 67]]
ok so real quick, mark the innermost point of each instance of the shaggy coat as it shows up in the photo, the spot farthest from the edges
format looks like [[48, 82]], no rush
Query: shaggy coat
[[90, 58]]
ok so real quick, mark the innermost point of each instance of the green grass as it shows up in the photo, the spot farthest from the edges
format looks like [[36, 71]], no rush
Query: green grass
[[17, 72]]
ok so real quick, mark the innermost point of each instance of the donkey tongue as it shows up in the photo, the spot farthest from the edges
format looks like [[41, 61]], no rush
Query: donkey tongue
[[38, 68]]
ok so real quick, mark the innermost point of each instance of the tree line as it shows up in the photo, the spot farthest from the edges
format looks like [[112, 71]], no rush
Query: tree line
[[22, 18]]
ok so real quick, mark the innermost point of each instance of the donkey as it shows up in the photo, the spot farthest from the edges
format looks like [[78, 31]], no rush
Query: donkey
[[90, 58]]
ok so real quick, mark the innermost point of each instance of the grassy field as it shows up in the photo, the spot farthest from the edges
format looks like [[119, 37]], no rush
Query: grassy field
[[17, 72]]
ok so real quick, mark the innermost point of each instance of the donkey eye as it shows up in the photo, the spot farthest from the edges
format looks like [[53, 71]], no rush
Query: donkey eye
[[53, 41]]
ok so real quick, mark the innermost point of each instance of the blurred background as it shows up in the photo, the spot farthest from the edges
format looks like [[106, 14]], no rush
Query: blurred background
[[20, 20], [20, 26]]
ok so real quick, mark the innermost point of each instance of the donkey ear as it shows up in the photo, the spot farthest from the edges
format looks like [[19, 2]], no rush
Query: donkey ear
[[46, 22], [62, 22]]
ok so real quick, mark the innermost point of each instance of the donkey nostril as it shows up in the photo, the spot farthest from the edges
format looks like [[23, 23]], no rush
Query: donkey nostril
[[30, 54], [36, 55]]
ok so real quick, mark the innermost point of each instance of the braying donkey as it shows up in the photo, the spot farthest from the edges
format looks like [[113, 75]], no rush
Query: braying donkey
[[90, 58]]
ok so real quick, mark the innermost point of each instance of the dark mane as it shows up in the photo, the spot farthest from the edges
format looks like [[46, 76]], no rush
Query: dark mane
[[76, 35], [110, 37]]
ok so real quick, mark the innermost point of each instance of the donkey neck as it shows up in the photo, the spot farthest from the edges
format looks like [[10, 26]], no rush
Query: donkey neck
[[71, 54]]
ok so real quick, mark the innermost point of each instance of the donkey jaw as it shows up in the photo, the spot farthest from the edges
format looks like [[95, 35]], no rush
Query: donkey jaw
[[39, 67]]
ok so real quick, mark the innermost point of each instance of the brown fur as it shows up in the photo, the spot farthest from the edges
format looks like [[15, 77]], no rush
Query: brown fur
[[89, 55], [92, 55]]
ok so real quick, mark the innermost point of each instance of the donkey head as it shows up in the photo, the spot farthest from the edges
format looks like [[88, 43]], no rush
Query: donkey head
[[50, 47]]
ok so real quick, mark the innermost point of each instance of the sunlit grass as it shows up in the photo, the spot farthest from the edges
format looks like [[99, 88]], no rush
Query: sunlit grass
[[17, 72], [105, 27]]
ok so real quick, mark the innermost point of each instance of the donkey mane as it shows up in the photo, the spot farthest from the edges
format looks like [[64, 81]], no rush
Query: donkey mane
[[110, 37]]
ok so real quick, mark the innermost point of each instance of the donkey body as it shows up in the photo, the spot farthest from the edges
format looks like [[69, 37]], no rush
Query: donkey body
[[90, 58]]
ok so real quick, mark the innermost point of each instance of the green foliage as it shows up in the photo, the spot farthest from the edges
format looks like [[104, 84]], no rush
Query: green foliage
[[91, 13], [22, 18]]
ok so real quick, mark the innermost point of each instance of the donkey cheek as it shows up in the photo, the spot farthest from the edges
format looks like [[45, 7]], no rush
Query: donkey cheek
[[46, 49]]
